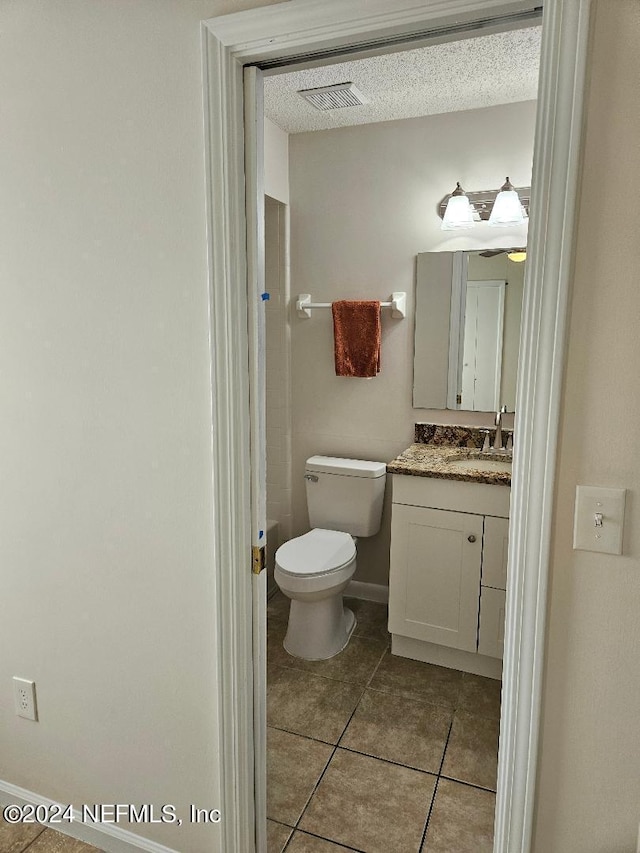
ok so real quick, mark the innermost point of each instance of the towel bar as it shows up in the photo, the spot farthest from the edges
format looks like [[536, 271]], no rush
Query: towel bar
[[398, 305]]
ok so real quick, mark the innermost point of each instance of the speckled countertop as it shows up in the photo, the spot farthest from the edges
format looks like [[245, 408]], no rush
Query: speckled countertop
[[448, 463]]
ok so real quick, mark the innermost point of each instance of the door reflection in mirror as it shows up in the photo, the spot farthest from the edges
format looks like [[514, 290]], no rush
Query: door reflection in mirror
[[481, 346], [467, 330]]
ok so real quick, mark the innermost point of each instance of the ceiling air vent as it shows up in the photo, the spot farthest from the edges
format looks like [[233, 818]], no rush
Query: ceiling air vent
[[334, 97]]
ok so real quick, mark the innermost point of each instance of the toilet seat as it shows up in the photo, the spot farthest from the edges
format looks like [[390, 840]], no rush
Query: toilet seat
[[319, 552]]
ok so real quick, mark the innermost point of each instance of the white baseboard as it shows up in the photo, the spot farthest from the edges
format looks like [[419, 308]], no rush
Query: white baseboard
[[368, 591], [108, 837], [407, 647]]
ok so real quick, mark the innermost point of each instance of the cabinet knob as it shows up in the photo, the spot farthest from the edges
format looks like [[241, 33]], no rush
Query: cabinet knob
[[471, 538]]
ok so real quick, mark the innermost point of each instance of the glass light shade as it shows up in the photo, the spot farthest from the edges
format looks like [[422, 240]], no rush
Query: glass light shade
[[459, 214], [507, 208], [517, 257]]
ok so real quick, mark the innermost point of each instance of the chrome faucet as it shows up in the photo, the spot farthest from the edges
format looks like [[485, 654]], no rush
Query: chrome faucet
[[497, 441]]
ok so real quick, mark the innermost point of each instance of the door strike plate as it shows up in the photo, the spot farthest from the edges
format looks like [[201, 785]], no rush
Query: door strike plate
[[258, 558]]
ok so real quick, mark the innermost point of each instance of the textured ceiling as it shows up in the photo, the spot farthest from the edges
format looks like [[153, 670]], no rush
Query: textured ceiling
[[462, 75]]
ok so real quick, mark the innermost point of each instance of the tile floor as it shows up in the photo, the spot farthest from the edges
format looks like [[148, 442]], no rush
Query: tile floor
[[375, 753], [33, 838]]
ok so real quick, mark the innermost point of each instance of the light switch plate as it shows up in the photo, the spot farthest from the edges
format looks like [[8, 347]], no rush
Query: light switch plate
[[599, 519]]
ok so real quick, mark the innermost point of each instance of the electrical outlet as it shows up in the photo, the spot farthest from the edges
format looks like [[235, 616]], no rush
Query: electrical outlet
[[24, 694]]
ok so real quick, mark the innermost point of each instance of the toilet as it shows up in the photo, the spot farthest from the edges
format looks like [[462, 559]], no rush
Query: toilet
[[344, 498]]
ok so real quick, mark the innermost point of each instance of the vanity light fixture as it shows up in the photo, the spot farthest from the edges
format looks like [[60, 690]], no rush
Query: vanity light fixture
[[459, 212], [517, 256], [507, 208]]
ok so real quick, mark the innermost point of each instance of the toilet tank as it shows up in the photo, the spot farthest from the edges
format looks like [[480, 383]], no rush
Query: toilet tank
[[345, 494]]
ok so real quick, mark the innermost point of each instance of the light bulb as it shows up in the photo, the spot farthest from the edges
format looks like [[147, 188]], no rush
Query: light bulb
[[507, 208], [459, 213]]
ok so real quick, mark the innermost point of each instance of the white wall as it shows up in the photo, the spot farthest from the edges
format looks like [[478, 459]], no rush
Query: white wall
[[589, 784], [105, 508], [363, 205]]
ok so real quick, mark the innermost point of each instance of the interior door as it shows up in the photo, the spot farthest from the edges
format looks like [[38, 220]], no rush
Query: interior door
[[254, 177], [482, 358]]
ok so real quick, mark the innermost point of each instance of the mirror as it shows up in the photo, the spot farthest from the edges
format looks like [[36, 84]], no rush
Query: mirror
[[467, 331]]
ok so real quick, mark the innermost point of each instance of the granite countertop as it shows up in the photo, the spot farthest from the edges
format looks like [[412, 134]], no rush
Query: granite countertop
[[448, 463]]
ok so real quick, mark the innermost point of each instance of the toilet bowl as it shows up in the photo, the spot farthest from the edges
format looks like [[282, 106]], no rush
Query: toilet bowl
[[313, 570]]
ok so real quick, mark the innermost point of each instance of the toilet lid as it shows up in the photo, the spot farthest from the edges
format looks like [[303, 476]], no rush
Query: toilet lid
[[316, 552]]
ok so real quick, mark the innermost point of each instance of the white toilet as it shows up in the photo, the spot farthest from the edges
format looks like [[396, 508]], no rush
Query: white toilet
[[344, 498]]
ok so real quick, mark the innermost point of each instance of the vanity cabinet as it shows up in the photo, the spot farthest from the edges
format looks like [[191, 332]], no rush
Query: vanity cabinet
[[448, 572]]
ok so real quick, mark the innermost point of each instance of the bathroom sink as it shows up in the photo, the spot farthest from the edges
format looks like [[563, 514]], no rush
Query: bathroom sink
[[482, 464]]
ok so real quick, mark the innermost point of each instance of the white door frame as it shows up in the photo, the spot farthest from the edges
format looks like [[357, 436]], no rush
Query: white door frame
[[307, 26], [254, 194]]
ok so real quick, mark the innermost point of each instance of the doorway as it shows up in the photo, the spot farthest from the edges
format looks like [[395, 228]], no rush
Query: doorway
[[559, 115], [363, 194]]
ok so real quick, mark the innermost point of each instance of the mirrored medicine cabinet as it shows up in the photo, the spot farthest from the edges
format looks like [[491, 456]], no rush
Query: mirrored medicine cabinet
[[467, 330]]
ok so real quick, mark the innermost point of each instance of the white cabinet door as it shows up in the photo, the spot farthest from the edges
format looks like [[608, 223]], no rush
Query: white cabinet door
[[434, 586], [496, 547], [491, 634]]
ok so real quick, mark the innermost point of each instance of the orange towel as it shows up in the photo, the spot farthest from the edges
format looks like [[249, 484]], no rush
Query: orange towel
[[356, 332]]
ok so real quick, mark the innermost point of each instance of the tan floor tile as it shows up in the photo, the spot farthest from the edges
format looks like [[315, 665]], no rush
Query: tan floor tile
[[404, 730], [355, 664], [417, 680], [370, 804], [480, 696], [371, 618], [276, 654], [303, 843], [309, 704], [472, 751], [14, 837], [277, 836], [55, 842], [294, 765], [278, 608], [461, 820]]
